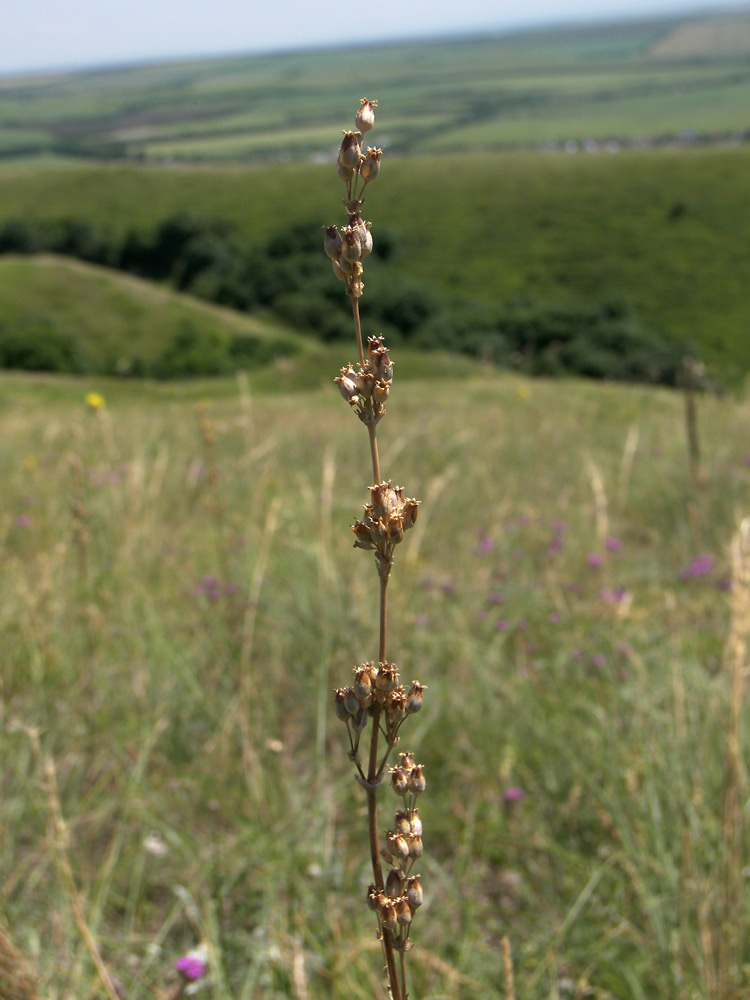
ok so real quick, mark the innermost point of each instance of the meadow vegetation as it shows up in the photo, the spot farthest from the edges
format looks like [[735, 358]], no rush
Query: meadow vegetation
[[179, 599], [552, 264]]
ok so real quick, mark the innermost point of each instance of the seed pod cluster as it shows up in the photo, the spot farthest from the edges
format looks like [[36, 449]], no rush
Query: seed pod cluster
[[377, 685], [388, 515], [367, 387], [397, 903], [348, 247]]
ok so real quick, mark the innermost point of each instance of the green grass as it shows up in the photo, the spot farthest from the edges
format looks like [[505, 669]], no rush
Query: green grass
[[117, 320], [171, 704]]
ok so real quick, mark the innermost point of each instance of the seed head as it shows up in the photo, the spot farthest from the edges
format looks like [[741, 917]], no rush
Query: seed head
[[388, 916], [370, 166], [332, 242], [341, 712], [402, 823], [398, 845], [399, 781], [415, 846], [403, 911], [394, 883], [351, 149], [365, 118], [415, 698], [414, 891], [351, 249], [416, 780]]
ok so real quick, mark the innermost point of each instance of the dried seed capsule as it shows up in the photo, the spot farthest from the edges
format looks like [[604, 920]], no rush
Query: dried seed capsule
[[372, 894], [398, 845], [399, 781], [407, 761], [332, 242], [363, 536], [415, 823], [411, 509], [364, 235], [362, 682], [351, 702], [348, 389], [394, 883], [388, 916], [345, 173], [402, 823], [351, 249], [414, 894], [365, 118], [416, 780], [387, 678], [415, 847], [351, 149], [415, 698], [403, 911], [396, 706], [341, 712], [370, 166], [338, 271]]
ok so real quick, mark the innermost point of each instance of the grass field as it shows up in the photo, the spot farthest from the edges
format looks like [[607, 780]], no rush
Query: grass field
[[614, 81], [176, 611]]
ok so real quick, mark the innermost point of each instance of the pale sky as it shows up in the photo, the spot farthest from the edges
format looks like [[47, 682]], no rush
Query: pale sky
[[50, 34]]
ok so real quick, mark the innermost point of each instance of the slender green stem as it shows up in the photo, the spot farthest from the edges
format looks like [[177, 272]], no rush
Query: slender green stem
[[374, 453], [358, 329], [383, 618]]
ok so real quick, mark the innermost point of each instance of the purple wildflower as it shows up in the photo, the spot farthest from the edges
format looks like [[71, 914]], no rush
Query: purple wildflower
[[699, 566], [595, 560], [193, 965], [23, 521], [495, 597], [485, 545], [555, 618], [613, 544], [614, 595], [598, 660], [210, 587], [501, 624], [555, 545], [559, 527], [513, 794]]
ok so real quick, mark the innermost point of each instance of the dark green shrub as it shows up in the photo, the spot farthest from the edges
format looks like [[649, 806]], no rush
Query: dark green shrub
[[193, 353], [247, 351], [38, 346]]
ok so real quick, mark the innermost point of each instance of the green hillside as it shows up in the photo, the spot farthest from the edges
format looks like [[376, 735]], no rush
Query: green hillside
[[118, 323], [664, 232]]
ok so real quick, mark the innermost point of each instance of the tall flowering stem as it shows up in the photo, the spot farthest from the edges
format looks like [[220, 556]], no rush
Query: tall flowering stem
[[377, 704]]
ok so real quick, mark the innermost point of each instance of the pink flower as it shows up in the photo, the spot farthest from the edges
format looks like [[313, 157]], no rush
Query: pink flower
[[193, 965], [613, 544], [699, 566]]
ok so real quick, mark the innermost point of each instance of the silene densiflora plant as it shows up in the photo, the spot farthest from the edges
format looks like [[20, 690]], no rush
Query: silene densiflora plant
[[376, 704]]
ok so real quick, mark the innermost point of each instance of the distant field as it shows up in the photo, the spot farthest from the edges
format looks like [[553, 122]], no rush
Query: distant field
[[661, 79], [666, 232]]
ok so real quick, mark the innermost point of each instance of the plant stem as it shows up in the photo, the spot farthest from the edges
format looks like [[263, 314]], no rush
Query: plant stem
[[358, 329]]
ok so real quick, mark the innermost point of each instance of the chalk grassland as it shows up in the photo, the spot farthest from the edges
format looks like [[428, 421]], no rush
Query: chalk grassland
[[657, 79], [664, 231], [179, 600]]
